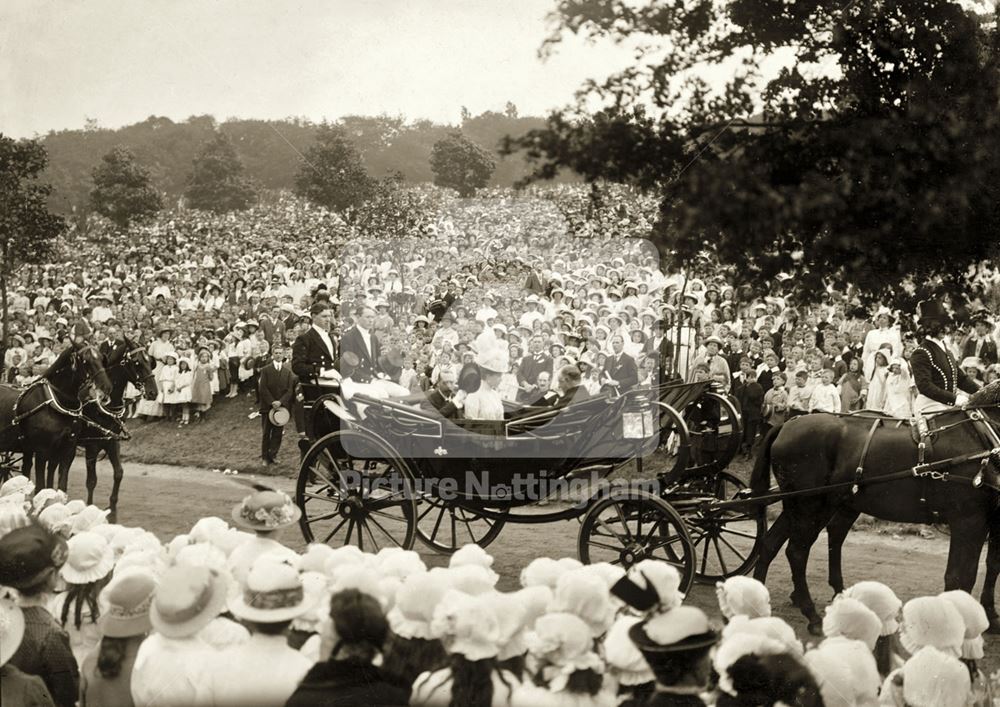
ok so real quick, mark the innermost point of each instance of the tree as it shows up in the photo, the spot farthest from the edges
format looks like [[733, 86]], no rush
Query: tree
[[870, 158], [332, 174], [217, 182], [123, 191], [459, 163], [28, 229]]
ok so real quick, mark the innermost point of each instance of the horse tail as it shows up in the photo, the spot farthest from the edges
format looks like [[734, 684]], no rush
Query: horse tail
[[760, 477]]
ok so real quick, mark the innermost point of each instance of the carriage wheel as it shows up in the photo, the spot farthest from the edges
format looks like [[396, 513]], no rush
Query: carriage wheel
[[675, 441], [10, 465], [363, 496], [445, 527], [629, 525], [712, 450], [726, 541]]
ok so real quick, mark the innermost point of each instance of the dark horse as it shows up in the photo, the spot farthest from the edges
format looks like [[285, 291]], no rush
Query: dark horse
[[44, 417], [818, 457], [103, 426]]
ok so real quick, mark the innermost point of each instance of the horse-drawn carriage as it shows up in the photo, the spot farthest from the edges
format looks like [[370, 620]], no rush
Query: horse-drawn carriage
[[383, 472]]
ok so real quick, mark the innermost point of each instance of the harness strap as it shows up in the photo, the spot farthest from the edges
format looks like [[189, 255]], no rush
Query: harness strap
[[859, 472]]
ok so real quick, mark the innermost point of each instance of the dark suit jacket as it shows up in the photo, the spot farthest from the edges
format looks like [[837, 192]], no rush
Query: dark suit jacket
[[937, 375], [310, 355], [622, 368], [573, 395], [275, 385], [987, 352], [353, 342], [528, 372], [443, 405]]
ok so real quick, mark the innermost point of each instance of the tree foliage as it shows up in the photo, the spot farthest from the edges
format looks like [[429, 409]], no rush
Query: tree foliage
[[459, 163], [123, 190], [870, 157], [28, 230], [332, 173], [218, 183]]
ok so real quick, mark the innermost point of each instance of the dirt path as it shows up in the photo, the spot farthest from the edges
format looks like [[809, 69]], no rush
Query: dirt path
[[168, 500]]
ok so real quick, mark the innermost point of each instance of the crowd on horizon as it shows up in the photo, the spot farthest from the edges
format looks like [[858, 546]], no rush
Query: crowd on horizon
[[549, 281], [93, 613]]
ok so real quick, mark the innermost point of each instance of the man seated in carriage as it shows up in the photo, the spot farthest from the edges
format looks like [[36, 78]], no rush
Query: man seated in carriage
[[570, 385], [446, 397]]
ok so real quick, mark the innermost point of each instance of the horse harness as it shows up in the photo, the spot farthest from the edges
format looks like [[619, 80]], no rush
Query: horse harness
[[938, 470]]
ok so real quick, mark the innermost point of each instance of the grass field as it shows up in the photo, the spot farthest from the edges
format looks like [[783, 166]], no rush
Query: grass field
[[225, 438]]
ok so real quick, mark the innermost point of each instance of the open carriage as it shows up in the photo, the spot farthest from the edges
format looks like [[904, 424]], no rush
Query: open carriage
[[383, 472]]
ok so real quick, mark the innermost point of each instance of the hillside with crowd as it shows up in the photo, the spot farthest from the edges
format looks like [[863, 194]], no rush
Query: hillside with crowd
[[552, 276]]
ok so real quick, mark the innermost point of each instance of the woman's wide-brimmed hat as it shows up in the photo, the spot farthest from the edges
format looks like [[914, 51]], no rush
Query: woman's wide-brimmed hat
[[266, 510], [29, 556], [128, 599], [11, 628], [90, 558], [273, 592], [186, 600]]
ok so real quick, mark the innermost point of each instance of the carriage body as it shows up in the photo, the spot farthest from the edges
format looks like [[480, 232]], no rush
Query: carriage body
[[370, 455]]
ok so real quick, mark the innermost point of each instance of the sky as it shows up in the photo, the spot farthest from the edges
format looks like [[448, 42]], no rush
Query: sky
[[120, 61]]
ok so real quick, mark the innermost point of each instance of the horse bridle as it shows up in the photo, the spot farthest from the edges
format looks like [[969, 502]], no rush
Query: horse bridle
[[129, 360]]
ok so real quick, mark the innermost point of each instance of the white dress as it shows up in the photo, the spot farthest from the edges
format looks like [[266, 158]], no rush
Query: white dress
[[484, 404], [169, 672], [898, 397], [264, 671], [81, 640]]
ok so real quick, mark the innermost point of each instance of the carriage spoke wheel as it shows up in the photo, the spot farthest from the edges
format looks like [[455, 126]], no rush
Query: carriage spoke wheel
[[353, 490], [445, 526], [727, 542], [10, 464], [675, 441], [629, 525]]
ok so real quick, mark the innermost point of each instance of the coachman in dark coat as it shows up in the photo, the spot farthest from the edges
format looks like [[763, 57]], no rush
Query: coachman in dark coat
[[940, 382]]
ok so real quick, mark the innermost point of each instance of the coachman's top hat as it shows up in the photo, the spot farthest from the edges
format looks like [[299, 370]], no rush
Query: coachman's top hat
[[932, 312]]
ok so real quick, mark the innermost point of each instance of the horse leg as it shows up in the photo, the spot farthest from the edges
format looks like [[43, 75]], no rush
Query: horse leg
[[63, 462], [808, 519], [987, 598], [836, 532], [967, 537], [774, 540], [114, 456], [48, 462], [90, 457]]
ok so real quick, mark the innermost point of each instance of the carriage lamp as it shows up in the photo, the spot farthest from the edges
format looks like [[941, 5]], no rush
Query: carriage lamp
[[637, 421]]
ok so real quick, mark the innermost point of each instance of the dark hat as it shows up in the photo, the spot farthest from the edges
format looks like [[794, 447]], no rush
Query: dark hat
[[932, 312], [29, 555]]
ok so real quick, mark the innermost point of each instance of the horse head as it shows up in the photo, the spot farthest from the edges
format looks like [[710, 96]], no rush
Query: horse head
[[90, 359], [138, 369]]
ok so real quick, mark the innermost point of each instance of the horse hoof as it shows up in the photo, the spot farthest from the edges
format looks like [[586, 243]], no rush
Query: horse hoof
[[815, 628]]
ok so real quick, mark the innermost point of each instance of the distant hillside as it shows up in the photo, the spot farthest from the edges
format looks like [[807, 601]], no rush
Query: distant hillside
[[269, 149]]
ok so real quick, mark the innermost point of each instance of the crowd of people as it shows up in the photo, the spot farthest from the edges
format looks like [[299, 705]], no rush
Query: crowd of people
[[521, 284], [94, 613]]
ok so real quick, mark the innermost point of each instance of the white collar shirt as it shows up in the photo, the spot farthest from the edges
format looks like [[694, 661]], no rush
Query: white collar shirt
[[325, 337]]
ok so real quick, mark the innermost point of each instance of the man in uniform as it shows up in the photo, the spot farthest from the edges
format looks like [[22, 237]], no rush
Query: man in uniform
[[940, 382], [314, 353]]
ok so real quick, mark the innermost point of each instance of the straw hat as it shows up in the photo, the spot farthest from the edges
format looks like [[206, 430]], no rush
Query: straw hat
[[186, 600], [11, 628], [273, 593], [266, 510], [90, 558], [128, 600]]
